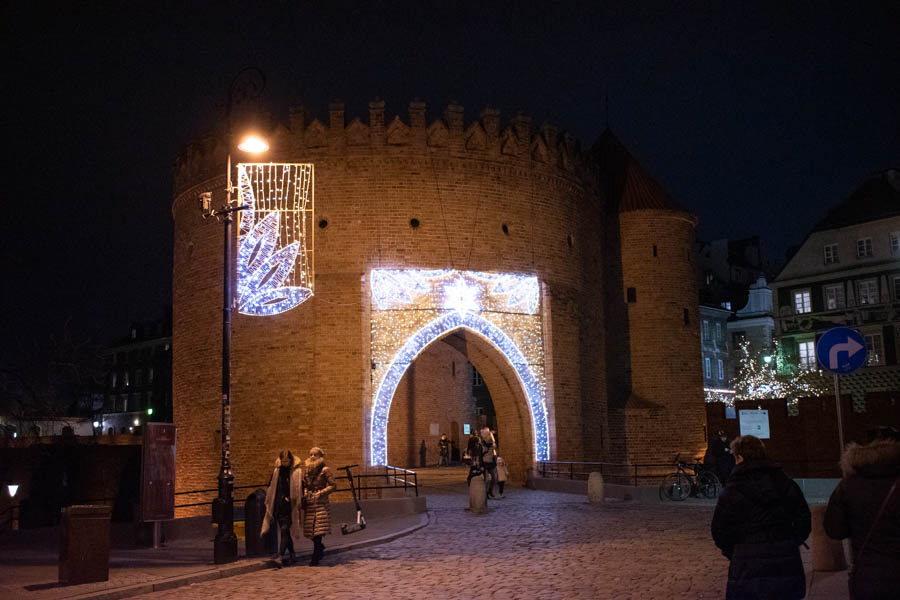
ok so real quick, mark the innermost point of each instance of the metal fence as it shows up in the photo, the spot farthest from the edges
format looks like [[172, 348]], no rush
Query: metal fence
[[649, 474]]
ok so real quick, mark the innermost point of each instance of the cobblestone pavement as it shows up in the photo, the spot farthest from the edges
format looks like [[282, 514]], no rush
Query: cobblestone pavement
[[530, 545]]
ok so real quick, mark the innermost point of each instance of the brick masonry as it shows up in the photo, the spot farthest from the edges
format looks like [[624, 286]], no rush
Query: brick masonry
[[303, 378]]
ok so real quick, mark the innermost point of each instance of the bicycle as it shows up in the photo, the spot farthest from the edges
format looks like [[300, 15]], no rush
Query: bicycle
[[681, 484]]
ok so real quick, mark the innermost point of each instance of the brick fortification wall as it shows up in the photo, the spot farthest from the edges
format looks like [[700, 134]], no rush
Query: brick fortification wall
[[664, 414], [488, 198]]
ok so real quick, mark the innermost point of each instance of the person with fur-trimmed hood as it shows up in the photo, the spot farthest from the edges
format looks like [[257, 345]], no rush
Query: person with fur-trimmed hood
[[869, 487], [318, 483], [760, 520], [283, 502]]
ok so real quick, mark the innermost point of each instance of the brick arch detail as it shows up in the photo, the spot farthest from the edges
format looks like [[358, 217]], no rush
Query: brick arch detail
[[531, 388]]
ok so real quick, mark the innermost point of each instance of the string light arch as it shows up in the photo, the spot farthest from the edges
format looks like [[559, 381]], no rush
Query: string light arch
[[414, 308]]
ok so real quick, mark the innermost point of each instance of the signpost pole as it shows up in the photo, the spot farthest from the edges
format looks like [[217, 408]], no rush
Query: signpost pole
[[837, 402]]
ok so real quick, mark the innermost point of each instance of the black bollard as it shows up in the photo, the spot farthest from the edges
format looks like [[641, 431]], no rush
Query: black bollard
[[254, 514]]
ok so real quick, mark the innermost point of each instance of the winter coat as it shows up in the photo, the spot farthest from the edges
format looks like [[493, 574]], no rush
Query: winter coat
[[317, 517], [488, 452], [296, 494], [502, 472], [473, 450], [444, 446], [869, 473], [760, 520]]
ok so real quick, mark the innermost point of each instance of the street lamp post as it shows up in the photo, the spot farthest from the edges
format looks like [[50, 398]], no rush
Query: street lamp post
[[244, 86]]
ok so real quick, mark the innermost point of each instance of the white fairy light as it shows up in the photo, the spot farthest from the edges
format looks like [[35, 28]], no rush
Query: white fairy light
[[272, 280], [461, 297], [413, 308]]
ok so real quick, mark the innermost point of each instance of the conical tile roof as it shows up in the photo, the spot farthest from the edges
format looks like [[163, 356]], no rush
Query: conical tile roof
[[629, 186]]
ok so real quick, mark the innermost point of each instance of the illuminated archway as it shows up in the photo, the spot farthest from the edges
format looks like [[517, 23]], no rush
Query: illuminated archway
[[412, 309]]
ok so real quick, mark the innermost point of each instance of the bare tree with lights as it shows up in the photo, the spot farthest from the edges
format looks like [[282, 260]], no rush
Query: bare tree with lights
[[762, 375]]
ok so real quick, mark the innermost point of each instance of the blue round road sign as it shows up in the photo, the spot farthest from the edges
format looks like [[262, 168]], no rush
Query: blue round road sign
[[841, 350]]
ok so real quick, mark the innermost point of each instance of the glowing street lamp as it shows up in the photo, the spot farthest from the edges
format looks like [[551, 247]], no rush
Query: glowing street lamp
[[246, 85]]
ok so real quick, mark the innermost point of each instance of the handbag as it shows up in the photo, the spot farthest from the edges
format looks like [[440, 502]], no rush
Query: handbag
[[856, 559]]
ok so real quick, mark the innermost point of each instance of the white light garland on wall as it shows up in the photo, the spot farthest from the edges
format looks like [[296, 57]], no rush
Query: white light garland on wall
[[414, 308], [273, 279]]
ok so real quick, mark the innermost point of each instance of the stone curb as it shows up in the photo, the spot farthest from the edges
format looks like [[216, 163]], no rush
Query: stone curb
[[245, 566]]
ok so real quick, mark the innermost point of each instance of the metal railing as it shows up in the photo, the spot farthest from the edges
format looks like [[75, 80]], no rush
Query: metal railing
[[393, 478], [649, 474], [386, 477], [618, 473]]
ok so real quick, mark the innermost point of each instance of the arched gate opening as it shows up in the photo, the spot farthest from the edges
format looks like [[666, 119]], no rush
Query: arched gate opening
[[492, 320]]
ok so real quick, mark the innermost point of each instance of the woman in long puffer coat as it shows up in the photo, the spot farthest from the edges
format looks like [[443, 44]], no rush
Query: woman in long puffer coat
[[283, 502], [870, 473], [761, 519], [318, 483]]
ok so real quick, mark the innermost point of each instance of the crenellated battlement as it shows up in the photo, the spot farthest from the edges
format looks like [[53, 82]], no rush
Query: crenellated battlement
[[517, 142]]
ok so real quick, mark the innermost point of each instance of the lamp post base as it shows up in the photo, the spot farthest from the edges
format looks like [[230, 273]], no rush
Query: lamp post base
[[224, 547]]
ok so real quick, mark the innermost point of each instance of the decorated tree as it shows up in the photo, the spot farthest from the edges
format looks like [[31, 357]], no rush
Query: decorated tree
[[760, 375]]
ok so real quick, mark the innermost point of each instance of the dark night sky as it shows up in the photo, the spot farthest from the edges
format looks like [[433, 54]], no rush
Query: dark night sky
[[756, 115]]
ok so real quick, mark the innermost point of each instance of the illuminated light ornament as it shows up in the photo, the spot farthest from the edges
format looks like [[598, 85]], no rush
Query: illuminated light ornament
[[414, 308], [279, 196], [461, 297]]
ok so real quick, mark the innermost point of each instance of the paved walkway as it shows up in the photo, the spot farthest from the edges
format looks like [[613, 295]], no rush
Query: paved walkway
[[29, 562], [530, 545]]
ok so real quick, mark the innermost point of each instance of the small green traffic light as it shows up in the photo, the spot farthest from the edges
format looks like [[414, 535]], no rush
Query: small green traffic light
[[149, 411]]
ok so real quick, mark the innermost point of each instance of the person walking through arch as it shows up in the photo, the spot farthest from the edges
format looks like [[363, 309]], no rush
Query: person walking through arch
[[318, 483], [502, 473], [489, 460], [473, 457], [865, 507], [283, 503], [760, 520], [444, 448]]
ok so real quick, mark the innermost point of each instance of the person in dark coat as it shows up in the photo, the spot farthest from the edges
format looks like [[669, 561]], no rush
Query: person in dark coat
[[721, 452], [444, 448], [870, 471], [473, 452], [283, 503], [760, 520]]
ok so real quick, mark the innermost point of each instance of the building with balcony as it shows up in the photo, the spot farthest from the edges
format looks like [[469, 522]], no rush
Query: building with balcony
[[847, 273]]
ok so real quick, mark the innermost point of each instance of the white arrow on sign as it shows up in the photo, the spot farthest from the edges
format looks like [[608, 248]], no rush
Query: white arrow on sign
[[851, 347]]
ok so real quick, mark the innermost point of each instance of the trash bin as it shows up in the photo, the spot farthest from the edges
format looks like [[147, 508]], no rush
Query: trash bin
[[84, 544], [254, 515]]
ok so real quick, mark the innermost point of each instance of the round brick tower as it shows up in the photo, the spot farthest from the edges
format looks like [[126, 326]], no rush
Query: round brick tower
[[403, 195], [656, 385]]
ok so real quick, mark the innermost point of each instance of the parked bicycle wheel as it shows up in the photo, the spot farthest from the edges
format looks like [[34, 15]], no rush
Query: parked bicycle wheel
[[708, 485], [675, 486]]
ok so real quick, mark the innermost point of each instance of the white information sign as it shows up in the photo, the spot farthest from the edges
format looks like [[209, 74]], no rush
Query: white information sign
[[434, 429], [755, 422]]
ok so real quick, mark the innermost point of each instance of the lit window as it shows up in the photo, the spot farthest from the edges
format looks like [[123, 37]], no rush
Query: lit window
[[867, 291], [807, 353], [895, 243], [834, 296], [874, 349], [125, 378], [831, 254], [705, 330], [721, 365], [707, 368], [802, 302], [863, 247]]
